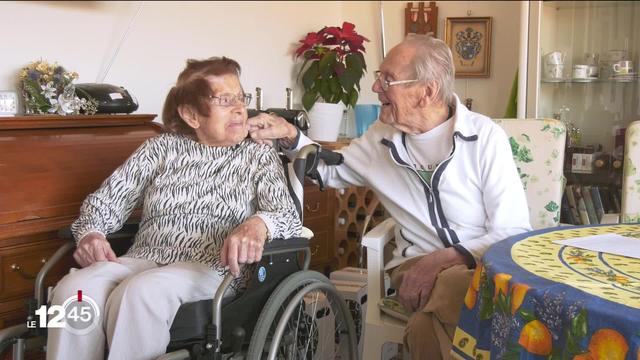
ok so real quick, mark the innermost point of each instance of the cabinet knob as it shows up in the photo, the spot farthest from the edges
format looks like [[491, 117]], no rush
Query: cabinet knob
[[18, 269], [315, 250]]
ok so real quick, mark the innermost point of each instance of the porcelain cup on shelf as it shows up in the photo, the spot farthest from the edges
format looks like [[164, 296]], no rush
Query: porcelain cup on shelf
[[623, 67], [580, 71], [554, 71], [555, 57]]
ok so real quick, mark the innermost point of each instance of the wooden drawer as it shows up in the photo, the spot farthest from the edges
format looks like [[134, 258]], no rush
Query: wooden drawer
[[316, 203], [320, 243], [19, 266]]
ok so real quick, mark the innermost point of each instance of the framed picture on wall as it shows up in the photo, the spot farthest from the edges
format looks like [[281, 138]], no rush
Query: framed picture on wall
[[470, 41]]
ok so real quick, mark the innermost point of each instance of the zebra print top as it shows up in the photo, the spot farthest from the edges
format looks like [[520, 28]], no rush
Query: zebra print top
[[192, 196]]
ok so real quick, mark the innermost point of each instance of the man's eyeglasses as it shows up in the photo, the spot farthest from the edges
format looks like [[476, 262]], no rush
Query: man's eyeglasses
[[229, 99], [385, 84]]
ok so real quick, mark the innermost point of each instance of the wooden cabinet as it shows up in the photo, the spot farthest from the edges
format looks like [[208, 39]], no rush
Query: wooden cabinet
[[48, 165], [337, 218]]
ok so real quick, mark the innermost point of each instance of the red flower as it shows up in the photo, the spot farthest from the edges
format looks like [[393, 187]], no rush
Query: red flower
[[308, 42]]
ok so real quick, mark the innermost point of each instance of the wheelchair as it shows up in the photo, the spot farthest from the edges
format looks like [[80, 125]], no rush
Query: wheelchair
[[286, 312]]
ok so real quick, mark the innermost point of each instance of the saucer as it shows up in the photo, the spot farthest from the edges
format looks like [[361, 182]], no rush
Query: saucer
[[587, 79], [632, 74], [554, 80]]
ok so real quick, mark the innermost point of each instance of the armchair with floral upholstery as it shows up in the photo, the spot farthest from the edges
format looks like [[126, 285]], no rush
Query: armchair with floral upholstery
[[538, 150], [630, 209]]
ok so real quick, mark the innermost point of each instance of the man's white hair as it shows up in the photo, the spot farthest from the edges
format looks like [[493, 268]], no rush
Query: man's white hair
[[433, 62]]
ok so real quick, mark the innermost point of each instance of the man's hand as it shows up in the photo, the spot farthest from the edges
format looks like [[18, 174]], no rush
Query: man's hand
[[244, 245], [263, 128], [92, 248], [418, 281]]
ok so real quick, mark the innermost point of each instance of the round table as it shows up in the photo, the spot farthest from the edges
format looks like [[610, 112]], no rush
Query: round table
[[531, 298]]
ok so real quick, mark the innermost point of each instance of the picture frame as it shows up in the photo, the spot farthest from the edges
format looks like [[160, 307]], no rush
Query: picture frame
[[469, 39]]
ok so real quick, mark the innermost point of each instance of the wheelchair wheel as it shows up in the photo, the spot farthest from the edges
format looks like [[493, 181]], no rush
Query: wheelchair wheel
[[313, 320]]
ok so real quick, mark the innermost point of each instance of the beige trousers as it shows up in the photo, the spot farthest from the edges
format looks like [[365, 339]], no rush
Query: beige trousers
[[137, 299], [429, 333]]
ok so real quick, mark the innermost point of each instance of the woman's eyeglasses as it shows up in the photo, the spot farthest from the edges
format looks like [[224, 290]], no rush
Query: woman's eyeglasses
[[385, 84], [229, 99]]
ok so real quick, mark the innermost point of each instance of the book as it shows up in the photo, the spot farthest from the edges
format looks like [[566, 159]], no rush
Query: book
[[573, 205], [582, 207], [604, 198], [615, 199], [588, 202], [597, 203], [566, 216]]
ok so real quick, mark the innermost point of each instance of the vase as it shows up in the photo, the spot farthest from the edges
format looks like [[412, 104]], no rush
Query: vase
[[324, 121]]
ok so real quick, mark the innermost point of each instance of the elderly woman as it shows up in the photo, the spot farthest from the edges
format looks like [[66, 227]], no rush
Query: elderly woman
[[210, 199]]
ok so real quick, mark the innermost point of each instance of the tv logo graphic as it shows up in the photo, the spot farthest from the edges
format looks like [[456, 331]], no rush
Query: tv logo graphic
[[79, 315]]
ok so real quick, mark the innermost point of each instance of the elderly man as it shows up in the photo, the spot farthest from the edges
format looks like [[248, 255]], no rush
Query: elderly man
[[444, 173]]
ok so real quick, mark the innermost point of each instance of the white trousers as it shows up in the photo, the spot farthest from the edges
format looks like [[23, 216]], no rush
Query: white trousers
[[137, 299]]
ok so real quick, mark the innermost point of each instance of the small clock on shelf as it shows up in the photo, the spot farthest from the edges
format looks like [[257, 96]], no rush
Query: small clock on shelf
[[8, 103]]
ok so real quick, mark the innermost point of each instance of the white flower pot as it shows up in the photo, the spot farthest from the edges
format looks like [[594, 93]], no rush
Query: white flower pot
[[324, 121]]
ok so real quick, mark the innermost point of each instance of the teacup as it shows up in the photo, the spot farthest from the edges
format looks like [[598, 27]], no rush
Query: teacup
[[555, 57], [554, 71], [580, 71], [623, 67]]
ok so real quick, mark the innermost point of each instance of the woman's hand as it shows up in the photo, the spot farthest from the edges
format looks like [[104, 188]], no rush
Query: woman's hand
[[92, 248], [244, 245], [264, 128]]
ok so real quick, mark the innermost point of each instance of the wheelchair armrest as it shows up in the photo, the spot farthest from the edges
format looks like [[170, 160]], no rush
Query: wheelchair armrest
[[379, 235], [280, 245], [127, 231]]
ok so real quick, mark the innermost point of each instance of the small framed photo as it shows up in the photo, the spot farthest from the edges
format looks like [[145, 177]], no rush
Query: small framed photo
[[470, 41]]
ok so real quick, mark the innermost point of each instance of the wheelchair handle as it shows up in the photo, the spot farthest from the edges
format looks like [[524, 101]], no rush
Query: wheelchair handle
[[217, 311]]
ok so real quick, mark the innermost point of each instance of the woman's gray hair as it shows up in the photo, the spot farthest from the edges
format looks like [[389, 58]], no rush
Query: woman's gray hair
[[433, 62]]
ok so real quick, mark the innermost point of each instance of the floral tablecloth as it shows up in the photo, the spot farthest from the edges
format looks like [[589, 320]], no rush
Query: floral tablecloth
[[534, 299]]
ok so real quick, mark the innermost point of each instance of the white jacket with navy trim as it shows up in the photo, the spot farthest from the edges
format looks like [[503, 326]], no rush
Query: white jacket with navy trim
[[474, 200]]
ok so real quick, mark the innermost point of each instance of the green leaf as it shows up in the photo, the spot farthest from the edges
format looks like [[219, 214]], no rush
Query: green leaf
[[325, 90], [579, 324], [354, 63], [309, 99], [514, 146], [326, 64], [527, 316], [556, 354], [347, 80], [345, 98], [551, 206], [310, 76], [353, 98], [334, 85], [361, 57]]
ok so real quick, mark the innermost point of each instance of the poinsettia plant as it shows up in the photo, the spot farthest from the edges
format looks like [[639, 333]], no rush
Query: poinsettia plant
[[333, 65]]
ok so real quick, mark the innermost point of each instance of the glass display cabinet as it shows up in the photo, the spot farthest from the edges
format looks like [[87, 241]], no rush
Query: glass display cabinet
[[582, 68]]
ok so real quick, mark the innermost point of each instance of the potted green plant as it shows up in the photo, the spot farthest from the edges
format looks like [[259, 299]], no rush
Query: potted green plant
[[330, 75]]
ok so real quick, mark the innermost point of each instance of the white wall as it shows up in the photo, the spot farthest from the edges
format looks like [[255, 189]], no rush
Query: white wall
[[83, 36], [489, 94]]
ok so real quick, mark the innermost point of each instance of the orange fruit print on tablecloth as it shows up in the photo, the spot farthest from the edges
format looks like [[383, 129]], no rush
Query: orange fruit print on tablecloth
[[608, 344], [536, 338]]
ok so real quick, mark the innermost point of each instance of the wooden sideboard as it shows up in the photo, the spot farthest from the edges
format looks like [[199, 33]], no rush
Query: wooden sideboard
[[337, 218], [48, 165]]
